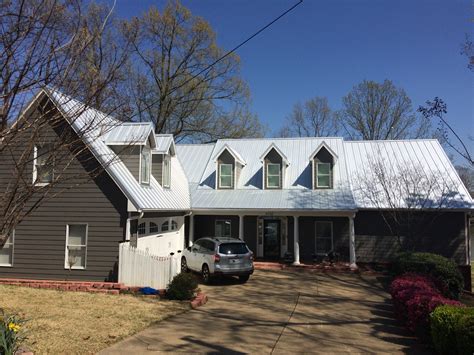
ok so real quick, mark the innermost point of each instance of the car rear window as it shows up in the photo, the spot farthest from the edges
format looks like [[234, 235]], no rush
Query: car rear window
[[233, 248]]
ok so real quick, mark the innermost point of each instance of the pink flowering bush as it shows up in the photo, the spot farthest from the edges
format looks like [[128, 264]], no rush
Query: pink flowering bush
[[415, 297]]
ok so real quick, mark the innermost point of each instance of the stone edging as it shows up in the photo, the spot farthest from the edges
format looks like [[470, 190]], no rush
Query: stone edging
[[200, 300]]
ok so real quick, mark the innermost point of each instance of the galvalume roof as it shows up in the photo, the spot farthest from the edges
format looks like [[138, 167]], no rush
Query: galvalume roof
[[194, 168], [94, 127]]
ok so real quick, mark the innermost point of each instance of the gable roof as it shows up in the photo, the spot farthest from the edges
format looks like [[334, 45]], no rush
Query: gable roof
[[93, 126], [164, 144], [238, 158], [323, 145], [130, 133], [269, 149]]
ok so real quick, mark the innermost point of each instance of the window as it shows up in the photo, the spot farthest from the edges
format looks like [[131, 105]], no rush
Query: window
[[165, 226], [324, 240], [42, 166], [76, 246], [153, 227], [145, 165], [6, 253], [323, 175], [207, 246], [223, 228], [225, 176], [273, 175], [174, 225], [141, 230], [233, 248], [166, 171]]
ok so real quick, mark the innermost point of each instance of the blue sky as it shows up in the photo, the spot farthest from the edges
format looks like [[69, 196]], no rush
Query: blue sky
[[324, 48]]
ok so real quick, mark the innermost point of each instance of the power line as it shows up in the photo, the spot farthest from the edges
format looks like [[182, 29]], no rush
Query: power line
[[233, 49]]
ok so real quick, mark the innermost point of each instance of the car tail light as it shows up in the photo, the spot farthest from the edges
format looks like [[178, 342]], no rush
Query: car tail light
[[251, 256], [217, 258]]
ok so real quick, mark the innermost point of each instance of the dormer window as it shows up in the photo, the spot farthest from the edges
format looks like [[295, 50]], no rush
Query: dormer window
[[274, 167], [145, 159], [323, 160], [273, 176], [323, 175], [167, 171], [226, 176]]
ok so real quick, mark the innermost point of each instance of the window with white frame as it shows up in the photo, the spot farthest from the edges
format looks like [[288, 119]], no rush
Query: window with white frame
[[42, 165], [273, 175], [324, 237], [226, 176], [6, 253], [154, 227], [166, 171], [174, 225], [165, 226], [76, 246], [141, 230], [323, 175], [223, 228], [145, 160]]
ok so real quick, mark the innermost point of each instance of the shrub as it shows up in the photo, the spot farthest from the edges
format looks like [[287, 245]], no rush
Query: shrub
[[464, 331], [445, 272], [443, 324], [11, 333], [415, 297], [182, 287]]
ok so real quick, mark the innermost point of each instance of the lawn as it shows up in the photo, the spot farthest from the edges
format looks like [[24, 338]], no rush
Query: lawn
[[79, 322]]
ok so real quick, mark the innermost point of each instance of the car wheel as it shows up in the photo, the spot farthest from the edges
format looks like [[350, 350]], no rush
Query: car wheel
[[206, 275], [244, 278], [184, 265]]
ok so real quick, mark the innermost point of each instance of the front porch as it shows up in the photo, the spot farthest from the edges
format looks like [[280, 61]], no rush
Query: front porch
[[306, 237]]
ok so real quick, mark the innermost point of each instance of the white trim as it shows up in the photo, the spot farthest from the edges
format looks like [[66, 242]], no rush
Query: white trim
[[330, 186], [223, 220], [323, 144], [296, 240], [237, 157], [12, 245], [269, 149], [280, 179], [316, 237], [241, 227], [35, 170], [232, 176], [149, 166], [66, 254], [166, 157]]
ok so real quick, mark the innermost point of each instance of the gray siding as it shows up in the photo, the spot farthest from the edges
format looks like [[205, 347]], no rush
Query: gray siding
[[275, 158], [157, 167], [130, 156], [39, 249], [204, 226], [250, 232], [444, 235]]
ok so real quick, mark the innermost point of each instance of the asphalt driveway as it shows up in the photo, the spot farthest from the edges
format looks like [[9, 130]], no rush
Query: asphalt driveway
[[282, 312]]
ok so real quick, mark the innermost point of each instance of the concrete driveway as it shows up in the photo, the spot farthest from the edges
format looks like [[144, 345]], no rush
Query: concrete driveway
[[282, 312]]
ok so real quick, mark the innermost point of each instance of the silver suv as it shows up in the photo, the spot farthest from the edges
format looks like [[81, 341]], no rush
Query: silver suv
[[212, 256]]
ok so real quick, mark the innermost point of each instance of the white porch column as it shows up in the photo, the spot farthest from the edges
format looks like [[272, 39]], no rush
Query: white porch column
[[191, 229], [296, 239], [241, 227], [352, 253]]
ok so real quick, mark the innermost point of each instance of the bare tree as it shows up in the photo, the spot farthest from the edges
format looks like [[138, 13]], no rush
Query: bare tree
[[467, 49], [436, 109], [408, 197], [314, 118], [176, 81], [466, 173], [58, 43], [373, 111]]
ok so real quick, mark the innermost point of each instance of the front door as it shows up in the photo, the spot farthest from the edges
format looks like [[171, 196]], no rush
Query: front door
[[271, 239]]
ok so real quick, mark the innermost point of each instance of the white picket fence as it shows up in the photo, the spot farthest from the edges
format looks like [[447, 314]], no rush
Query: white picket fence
[[140, 268]]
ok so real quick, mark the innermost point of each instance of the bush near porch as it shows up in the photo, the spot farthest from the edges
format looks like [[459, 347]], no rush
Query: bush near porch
[[420, 302], [59, 322]]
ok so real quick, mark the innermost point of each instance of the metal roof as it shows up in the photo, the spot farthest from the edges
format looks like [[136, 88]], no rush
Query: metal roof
[[92, 125], [435, 182], [130, 133], [164, 143]]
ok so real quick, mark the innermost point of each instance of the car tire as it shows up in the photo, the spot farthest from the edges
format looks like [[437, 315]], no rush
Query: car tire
[[244, 278], [184, 265], [206, 275]]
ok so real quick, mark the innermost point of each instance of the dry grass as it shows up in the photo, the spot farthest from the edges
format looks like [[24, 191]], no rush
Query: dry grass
[[79, 322]]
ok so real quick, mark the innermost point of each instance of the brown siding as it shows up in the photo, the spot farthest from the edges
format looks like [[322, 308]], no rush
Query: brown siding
[[39, 249], [225, 158], [130, 156], [157, 167], [445, 235], [275, 158]]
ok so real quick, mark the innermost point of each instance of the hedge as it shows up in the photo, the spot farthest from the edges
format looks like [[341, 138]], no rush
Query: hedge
[[452, 330], [446, 274], [182, 287]]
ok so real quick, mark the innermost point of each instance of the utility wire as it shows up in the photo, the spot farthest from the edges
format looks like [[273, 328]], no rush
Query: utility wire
[[233, 49]]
